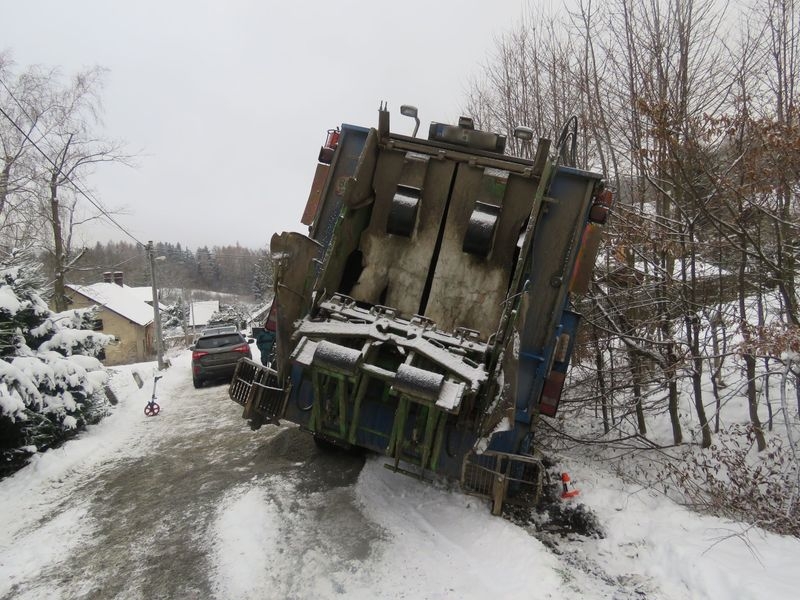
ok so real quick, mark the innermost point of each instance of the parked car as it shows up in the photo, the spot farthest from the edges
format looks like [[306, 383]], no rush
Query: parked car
[[215, 356]]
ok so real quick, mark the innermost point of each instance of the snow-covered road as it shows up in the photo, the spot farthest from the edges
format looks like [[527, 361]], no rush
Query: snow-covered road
[[172, 506], [192, 504]]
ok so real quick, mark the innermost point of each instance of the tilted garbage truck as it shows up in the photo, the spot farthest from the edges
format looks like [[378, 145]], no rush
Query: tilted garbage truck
[[426, 316]]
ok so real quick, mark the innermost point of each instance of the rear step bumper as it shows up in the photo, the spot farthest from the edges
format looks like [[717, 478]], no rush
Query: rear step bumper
[[256, 388]]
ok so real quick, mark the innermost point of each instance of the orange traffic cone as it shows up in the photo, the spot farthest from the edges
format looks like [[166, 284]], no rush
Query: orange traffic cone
[[567, 493]]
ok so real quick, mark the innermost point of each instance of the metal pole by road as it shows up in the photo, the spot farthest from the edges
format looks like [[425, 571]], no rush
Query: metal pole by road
[[187, 307], [156, 311]]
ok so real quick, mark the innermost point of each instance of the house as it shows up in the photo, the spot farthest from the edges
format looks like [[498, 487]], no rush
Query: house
[[200, 313], [122, 314]]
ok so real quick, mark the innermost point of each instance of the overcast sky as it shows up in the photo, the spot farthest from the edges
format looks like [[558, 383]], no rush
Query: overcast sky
[[226, 103]]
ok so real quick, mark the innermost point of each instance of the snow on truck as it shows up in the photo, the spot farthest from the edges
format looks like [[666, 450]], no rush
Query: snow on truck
[[426, 316]]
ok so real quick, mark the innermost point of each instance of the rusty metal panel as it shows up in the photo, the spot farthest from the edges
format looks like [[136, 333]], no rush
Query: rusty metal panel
[[468, 290], [312, 204], [292, 256], [395, 267], [584, 264]]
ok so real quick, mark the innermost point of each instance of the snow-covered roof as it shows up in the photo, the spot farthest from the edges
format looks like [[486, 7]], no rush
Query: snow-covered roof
[[142, 292], [145, 294], [202, 310], [119, 299]]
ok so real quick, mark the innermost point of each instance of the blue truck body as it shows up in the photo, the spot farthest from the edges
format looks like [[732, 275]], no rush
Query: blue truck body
[[426, 316]]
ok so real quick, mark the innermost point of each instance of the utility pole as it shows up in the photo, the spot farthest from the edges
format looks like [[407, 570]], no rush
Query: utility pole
[[156, 312], [185, 321]]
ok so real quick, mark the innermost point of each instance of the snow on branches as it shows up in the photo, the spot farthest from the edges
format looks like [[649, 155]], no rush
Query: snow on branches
[[51, 382]]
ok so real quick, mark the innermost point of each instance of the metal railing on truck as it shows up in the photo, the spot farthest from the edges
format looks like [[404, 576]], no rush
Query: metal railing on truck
[[502, 477], [256, 388]]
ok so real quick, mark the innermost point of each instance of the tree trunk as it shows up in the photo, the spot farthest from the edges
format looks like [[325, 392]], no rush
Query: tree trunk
[[672, 386], [59, 290], [749, 356], [693, 328], [5, 176], [752, 400], [797, 390], [636, 373], [716, 376], [765, 393], [601, 379]]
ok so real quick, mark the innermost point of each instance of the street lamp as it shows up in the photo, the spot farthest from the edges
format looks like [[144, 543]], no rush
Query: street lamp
[[156, 312]]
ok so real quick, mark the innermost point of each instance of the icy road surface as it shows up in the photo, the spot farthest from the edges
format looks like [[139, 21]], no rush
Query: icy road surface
[[187, 505], [192, 504]]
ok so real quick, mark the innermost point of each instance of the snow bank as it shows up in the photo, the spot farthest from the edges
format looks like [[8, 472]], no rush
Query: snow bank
[[412, 541], [49, 471], [443, 544], [682, 554]]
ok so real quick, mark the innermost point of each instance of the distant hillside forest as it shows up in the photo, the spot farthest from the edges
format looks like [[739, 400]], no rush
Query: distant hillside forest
[[231, 269]]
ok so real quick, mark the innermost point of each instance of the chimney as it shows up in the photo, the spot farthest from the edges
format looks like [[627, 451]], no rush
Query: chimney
[[118, 277], [107, 277]]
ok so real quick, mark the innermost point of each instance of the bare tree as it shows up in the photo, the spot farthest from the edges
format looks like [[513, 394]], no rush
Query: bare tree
[[661, 91], [22, 99], [49, 148]]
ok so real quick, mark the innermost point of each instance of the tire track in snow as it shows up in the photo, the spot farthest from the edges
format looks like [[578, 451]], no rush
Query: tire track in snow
[[155, 511]]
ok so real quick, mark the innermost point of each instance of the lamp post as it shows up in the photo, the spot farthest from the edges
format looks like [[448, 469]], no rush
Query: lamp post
[[156, 311]]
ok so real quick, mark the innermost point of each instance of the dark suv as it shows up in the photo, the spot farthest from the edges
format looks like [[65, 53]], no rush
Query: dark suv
[[215, 356]]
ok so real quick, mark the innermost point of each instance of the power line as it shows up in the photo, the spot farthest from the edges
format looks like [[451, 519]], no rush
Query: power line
[[56, 167], [99, 266]]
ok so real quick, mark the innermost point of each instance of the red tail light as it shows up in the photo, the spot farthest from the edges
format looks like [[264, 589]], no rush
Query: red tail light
[[197, 354], [244, 349], [272, 318]]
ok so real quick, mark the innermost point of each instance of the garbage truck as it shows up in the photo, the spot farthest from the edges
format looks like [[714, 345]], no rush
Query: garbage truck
[[427, 315]]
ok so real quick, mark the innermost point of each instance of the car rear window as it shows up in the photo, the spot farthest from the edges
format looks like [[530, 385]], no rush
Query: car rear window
[[217, 341]]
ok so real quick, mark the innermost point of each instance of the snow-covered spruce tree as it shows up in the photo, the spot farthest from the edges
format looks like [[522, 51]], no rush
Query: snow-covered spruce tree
[[174, 316], [51, 382], [231, 314]]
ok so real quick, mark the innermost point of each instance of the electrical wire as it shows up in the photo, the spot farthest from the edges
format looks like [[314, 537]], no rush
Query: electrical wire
[[108, 268], [75, 186]]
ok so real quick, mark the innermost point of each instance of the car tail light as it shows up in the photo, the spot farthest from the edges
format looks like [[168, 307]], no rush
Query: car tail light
[[197, 354], [244, 349]]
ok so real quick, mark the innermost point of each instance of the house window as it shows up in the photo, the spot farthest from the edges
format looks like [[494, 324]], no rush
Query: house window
[[97, 325]]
